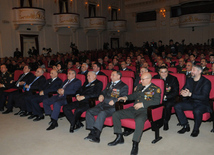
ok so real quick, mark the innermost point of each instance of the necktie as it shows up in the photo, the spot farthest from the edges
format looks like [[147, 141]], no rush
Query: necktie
[[88, 84], [32, 83], [143, 89], [112, 85], [20, 79], [66, 84]]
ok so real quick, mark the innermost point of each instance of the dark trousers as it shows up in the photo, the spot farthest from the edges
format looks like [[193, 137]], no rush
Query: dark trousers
[[19, 99], [33, 104], [198, 110], [167, 109], [61, 6], [57, 102], [79, 106], [140, 116], [102, 111], [2, 98], [22, 3]]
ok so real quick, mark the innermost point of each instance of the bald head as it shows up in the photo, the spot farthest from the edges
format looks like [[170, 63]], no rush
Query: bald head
[[53, 74], [146, 78]]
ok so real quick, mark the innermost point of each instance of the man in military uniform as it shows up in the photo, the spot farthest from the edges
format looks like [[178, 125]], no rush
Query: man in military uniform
[[108, 97], [5, 78], [147, 94], [181, 65], [188, 70]]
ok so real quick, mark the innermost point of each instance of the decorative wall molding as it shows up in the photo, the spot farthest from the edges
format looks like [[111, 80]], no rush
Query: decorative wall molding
[[95, 23], [28, 16], [212, 18], [117, 25], [191, 20], [69, 20]]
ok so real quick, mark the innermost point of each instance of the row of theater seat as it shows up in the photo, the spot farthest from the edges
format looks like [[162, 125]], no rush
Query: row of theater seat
[[154, 112]]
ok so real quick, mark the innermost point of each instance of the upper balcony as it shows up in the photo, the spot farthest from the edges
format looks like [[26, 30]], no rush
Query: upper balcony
[[192, 20], [69, 20], [95, 23], [117, 25], [28, 15]]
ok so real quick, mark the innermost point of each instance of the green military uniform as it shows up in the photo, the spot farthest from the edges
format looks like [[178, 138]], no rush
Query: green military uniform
[[150, 96]]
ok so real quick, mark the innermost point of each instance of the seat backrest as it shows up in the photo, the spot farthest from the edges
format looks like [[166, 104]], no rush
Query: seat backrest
[[153, 73], [172, 69], [107, 73], [75, 69], [133, 68], [33, 72], [47, 75], [181, 79], [128, 74], [151, 69], [17, 73], [62, 76], [49, 69], [160, 84], [81, 77], [129, 82], [103, 79], [211, 78], [209, 65]]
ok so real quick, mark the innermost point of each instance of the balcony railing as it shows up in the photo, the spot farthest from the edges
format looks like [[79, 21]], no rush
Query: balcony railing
[[69, 20], [95, 23], [117, 25], [28, 15]]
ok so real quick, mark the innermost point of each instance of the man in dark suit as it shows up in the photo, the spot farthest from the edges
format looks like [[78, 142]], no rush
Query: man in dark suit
[[170, 93], [24, 78], [196, 98], [188, 70], [69, 86], [32, 101], [96, 68], [192, 58], [211, 58], [84, 69], [91, 88], [50, 62], [36, 84], [111, 66], [181, 65], [69, 67], [212, 72], [205, 70], [124, 66], [146, 94], [115, 89], [5, 78]]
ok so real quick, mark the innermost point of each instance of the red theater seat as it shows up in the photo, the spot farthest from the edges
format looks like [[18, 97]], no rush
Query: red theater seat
[[206, 116], [172, 69], [128, 74], [154, 115]]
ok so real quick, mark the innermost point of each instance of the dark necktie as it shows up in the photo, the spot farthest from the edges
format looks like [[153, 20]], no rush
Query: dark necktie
[[66, 84], [112, 85], [23, 75]]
